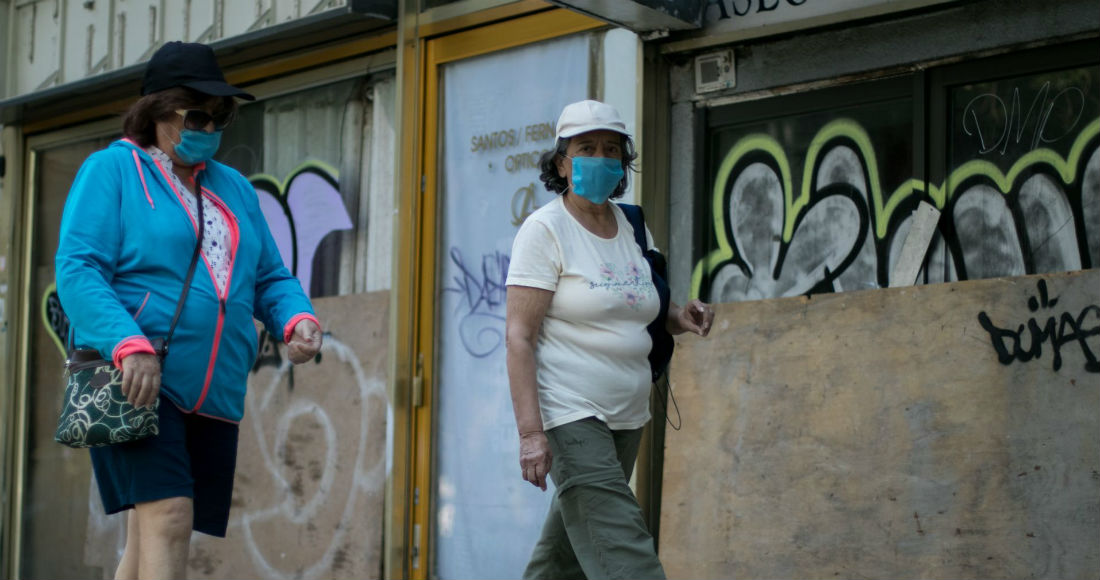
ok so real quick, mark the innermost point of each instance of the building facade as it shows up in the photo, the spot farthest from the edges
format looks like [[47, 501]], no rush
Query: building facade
[[789, 148]]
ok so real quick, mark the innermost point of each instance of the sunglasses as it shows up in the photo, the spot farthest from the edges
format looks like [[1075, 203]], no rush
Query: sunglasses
[[197, 120]]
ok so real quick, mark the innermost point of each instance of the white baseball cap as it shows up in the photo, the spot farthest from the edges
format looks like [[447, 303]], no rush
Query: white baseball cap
[[585, 116]]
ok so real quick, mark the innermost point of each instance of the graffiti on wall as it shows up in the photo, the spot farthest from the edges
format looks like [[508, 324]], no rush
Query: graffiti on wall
[[480, 308], [841, 230], [1024, 342], [301, 211], [309, 481], [311, 465]]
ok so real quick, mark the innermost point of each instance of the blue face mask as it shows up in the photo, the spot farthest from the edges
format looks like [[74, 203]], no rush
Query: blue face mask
[[197, 146], [595, 178]]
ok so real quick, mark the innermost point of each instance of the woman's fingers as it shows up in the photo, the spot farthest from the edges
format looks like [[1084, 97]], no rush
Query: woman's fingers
[[534, 459], [127, 380], [141, 379], [536, 475], [701, 315], [146, 388], [305, 342]]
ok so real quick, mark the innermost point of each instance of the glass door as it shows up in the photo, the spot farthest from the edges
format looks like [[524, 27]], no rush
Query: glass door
[[58, 482], [493, 96]]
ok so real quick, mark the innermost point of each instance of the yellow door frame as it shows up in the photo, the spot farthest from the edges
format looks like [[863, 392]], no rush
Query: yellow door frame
[[420, 361]]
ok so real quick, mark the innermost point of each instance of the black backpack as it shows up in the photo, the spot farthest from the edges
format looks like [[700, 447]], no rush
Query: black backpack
[[661, 353]]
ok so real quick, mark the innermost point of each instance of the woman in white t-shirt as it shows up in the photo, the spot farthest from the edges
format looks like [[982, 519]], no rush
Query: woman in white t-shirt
[[579, 299]]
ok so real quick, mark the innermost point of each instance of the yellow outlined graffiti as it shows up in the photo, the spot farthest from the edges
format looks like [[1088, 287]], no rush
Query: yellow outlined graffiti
[[301, 211], [54, 325], [301, 168], [883, 208]]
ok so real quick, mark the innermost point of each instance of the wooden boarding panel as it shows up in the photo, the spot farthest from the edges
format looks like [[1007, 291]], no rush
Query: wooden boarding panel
[[942, 431], [308, 497]]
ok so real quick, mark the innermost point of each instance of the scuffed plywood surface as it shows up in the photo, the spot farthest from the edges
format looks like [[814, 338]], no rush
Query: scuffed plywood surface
[[311, 467], [308, 496], [878, 434]]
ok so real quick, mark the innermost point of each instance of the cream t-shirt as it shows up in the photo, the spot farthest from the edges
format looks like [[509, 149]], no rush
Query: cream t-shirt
[[593, 346]]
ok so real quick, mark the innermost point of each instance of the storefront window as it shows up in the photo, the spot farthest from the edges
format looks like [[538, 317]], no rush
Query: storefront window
[[799, 198], [815, 192], [321, 162], [1024, 182]]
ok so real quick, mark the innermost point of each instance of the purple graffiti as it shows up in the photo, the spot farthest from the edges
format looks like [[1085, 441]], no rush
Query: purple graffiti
[[300, 214]]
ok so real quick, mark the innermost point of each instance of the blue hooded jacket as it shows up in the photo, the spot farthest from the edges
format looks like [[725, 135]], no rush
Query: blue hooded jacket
[[125, 244]]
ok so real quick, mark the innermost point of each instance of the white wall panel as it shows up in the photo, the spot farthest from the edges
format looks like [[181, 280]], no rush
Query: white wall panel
[[202, 22], [188, 20], [240, 16], [286, 10], [61, 41], [137, 30], [87, 49], [37, 51]]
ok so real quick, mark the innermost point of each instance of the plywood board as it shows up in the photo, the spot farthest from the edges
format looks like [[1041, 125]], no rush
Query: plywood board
[[308, 497], [888, 433]]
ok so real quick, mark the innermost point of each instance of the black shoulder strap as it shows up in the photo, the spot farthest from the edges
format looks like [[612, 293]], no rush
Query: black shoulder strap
[[636, 218], [191, 268]]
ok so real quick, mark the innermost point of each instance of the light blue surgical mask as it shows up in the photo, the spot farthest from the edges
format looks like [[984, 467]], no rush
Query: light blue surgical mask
[[197, 146], [595, 178]]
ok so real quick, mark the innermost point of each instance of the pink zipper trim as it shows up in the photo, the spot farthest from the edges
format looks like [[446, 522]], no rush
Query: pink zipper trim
[[217, 418], [141, 174], [234, 241], [223, 294], [142, 307], [213, 357], [179, 196]]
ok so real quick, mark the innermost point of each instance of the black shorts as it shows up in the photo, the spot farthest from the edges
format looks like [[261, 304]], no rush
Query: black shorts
[[193, 456]]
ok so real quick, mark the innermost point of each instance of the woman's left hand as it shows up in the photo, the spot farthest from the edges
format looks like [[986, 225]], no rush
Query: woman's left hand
[[305, 342], [695, 316]]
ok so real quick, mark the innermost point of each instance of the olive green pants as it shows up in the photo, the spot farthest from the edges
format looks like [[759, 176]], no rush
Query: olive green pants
[[595, 527]]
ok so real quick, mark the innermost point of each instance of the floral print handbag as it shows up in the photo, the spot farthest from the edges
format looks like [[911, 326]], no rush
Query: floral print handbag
[[95, 412]]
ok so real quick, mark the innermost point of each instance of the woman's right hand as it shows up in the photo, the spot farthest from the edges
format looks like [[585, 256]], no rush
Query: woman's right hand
[[141, 379], [535, 458]]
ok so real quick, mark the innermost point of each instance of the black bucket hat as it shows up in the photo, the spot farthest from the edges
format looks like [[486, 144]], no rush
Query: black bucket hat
[[191, 65]]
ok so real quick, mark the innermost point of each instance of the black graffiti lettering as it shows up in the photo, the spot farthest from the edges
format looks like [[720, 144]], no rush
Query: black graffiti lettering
[[1081, 335], [267, 353], [56, 317], [998, 336], [1059, 331]]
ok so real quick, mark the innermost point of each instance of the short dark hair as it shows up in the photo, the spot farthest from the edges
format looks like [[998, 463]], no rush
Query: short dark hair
[[549, 169], [139, 123]]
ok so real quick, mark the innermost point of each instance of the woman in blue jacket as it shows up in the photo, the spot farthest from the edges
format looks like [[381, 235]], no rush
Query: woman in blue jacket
[[127, 236]]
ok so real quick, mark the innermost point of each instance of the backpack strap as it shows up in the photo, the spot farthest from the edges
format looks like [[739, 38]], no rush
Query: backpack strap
[[663, 343], [636, 217]]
